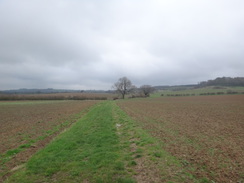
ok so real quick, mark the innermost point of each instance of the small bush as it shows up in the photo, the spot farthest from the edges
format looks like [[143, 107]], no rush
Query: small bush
[[220, 93], [132, 163]]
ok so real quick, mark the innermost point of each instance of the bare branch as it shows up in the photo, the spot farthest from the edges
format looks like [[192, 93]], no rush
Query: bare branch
[[123, 86], [147, 90]]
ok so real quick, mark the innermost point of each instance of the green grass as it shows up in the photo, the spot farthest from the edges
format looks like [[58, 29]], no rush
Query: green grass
[[150, 149], [10, 154], [98, 148], [89, 150]]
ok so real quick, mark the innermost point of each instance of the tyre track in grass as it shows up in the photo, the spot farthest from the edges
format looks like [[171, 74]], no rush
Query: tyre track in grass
[[28, 126], [103, 146], [89, 151], [145, 157]]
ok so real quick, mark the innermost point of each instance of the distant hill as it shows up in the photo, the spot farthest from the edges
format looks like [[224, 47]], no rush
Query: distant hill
[[224, 81], [38, 91], [175, 87], [220, 81], [49, 90]]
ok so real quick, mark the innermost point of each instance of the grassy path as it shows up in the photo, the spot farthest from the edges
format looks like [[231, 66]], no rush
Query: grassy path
[[104, 146]]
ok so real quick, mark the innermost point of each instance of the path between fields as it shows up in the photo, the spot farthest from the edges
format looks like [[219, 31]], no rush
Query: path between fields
[[103, 146]]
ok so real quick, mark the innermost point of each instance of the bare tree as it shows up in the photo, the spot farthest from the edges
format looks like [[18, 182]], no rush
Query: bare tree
[[146, 90], [123, 86]]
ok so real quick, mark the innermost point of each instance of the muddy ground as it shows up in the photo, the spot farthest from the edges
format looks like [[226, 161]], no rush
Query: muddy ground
[[205, 132], [33, 124]]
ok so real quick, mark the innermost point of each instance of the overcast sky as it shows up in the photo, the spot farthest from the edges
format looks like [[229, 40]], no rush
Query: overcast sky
[[90, 44]]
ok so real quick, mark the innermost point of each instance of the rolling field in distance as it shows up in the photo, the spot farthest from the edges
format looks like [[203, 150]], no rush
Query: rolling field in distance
[[210, 90]]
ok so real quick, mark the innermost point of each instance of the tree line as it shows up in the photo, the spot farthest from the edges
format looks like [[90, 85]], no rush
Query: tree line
[[223, 81], [124, 86]]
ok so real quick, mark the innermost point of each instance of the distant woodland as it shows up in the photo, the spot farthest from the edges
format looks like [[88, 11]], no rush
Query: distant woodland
[[223, 81]]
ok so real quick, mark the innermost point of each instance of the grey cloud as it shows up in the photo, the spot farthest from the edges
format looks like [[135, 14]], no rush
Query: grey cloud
[[90, 44]]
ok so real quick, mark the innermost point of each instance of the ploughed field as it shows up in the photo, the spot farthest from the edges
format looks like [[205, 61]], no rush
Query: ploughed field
[[177, 139], [205, 132], [27, 126]]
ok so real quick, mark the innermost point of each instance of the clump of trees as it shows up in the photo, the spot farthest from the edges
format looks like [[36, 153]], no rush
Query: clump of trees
[[124, 86], [224, 81], [147, 90]]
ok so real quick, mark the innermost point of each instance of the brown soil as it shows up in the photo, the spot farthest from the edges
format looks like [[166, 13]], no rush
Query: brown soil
[[205, 132], [25, 122], [144, 169]]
